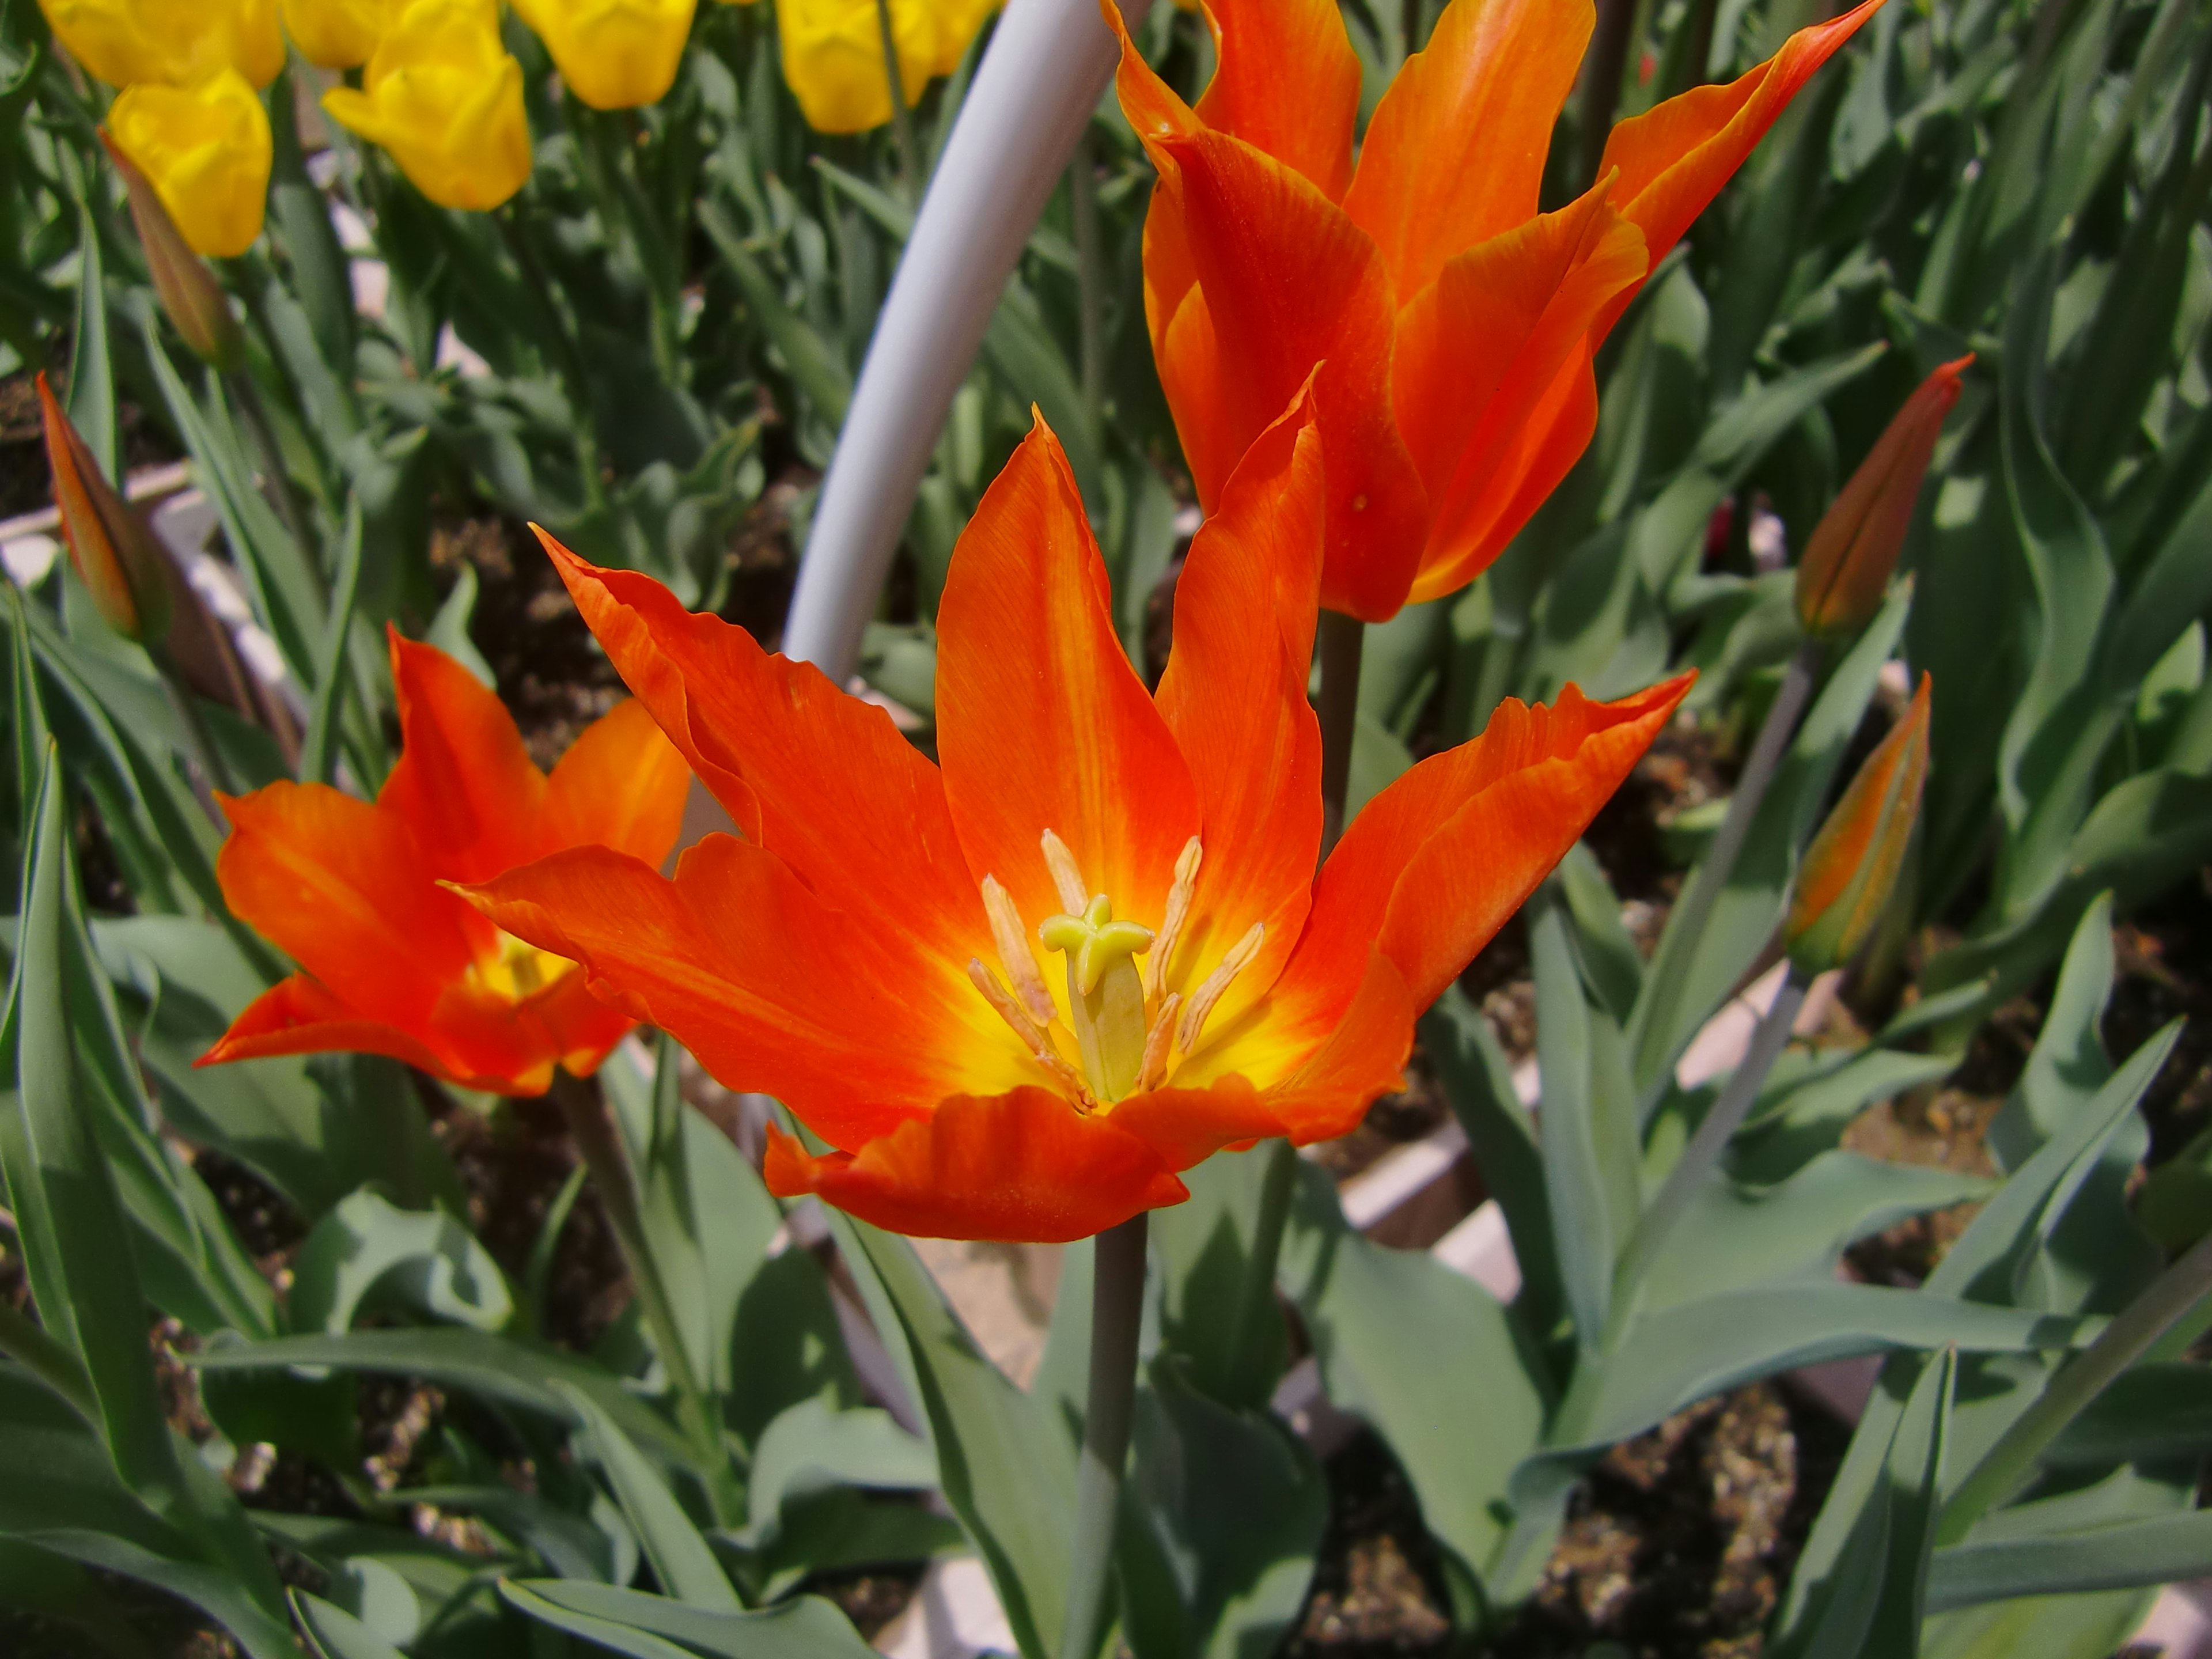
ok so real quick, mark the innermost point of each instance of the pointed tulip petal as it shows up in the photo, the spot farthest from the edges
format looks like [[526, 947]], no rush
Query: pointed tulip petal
[[1234, 696], [1362, 1058], [621, 784], [297, 1016], [1852, 866], [815, 776], [341, 887], [1480, 358], [1674, 159], [1042, 722], [1433, 865], [464, 783], [740, 962], [1023, 1167], [1287, 82], [1454, 154], [1289, 282]]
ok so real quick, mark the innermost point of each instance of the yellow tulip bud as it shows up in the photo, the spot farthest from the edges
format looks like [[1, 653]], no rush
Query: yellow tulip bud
[[113, 551], [613, 54], [833, 59], [206, 148], [189, 293], [442, 94], [338, 35], [128, 43]]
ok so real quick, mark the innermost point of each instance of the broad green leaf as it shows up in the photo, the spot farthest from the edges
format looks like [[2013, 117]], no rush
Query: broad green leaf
[[367, 1253], [501, 1368], [1007, 1470], [449, 628], [334, 1633], [92, 372], [2170, 1549], [681, 1560], [812, 1446], [654, 1627], [1422, 1353], [1203, 1249]]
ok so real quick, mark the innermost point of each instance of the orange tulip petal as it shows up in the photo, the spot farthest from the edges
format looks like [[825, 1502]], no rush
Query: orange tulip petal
[[1287, 82], [1556, 432], [1454, 154], [821, 779], [297, 1016], [1862, 840], [741, 962], [582, 1029], [1022, 1167], [1290, 282], [1187, 1126], [621, 785], [1480, 353], [1362, 1057], [464, 783], [1674, 158], [1042, 722], [1234, 696], [339, 885], [1434, 864]]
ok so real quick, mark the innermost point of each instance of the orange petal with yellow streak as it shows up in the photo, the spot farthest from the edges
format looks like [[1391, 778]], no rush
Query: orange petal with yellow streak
[[1023, 1168], [1042, 722], [621, 784]]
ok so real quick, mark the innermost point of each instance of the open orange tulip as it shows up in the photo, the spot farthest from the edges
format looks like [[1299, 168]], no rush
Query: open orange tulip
[[1021, 990], [1454, 325], [392, 960]]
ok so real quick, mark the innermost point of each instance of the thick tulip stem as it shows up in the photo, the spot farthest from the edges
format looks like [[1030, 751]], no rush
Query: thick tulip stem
[[1342, 639], [1117, 1311], [909, 150]]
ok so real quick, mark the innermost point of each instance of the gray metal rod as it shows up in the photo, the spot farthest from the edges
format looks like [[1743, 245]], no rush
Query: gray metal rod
[[1027, 106]]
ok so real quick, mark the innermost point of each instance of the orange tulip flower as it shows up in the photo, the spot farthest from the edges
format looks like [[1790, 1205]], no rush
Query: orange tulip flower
[[393, 961], [1021, 989], [1453, 324]]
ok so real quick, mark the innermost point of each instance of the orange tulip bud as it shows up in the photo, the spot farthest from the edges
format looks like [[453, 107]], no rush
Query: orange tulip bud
[[1853, 549], [1853, 862], [189, 293], [113, 552]]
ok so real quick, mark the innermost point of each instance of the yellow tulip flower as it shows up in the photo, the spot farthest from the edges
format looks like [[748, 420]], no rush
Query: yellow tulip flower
[[442, 94], [959, 23], [338, 35], [206, 149], [613, 54], [128, 43], [833, 59]]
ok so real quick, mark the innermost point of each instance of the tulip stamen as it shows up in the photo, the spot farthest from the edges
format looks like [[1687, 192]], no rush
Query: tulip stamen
[[1067, 874], [1034, 1035], [1012, 937], [1217, 984], [1105, 997], [1178, 912], [1157, 1043]]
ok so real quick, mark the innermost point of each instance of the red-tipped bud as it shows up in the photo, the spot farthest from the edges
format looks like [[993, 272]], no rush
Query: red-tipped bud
[[189, 293], [113, 552], [1847, 564], [1853, 863]]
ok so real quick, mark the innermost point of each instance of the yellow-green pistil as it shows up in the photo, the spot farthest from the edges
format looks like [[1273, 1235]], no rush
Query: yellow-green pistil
[[1106, 999]]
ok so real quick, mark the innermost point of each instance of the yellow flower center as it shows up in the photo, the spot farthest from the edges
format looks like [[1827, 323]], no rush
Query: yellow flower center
[[1126, 1027], [520, 971]]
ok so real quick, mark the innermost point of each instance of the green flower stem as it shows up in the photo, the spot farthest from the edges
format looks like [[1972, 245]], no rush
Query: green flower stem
[[199, 744], [601, 1150], [1703, 1152], [1711, 878], [277, 477], [1342, 639], [1117, 1310], [909, 150], [2131, 1334], [553, 329]]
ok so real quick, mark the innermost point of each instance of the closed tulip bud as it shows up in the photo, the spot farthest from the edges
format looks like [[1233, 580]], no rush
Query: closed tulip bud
[[206, 150], [128, 43], [833, 59], [189, 293], [613, 54], [337, 35], [442, 94], [113, 552], [1852, 866], [1847, 564]]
